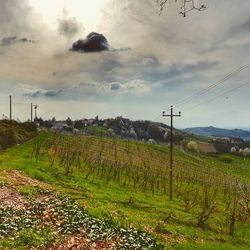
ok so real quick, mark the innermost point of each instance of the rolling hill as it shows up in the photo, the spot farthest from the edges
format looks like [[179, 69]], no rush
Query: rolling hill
[[219, 132]]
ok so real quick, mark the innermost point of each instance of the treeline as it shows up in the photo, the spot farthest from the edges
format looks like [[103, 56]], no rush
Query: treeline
[[120, 127], [226, 145]]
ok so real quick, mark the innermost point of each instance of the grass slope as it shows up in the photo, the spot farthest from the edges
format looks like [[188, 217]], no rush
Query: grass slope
[[165, 220]]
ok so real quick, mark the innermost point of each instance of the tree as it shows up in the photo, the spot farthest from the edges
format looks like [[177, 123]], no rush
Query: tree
[[69, 122], [39, 120], [233, 150], [187, 6], [192, 146], [78, 124], [246, 152]]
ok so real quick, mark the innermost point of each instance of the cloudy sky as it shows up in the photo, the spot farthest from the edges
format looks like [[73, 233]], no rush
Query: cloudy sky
[[142, 63]]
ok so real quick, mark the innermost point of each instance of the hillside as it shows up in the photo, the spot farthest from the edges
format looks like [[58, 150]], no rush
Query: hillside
[[118, 127], [219, 132], [12, 132], [120, 184]]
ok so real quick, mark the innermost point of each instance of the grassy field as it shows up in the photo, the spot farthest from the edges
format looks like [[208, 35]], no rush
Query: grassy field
[[141, 202]]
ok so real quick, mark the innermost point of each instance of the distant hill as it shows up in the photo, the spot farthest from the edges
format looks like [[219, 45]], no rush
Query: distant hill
[[219, 132]]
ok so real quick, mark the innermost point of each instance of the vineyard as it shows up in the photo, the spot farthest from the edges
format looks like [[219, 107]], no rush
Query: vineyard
[[125, 184], [203, 189]]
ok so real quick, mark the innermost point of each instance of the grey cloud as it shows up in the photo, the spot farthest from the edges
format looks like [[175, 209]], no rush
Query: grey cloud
[[121, 49], [149, 61], [69, 26], [94, 42], [35, 93], [14, 39], [52, 93], [14, 17], [179, 70], [245, 26], [89, 90], [115, 86], [89, 84]]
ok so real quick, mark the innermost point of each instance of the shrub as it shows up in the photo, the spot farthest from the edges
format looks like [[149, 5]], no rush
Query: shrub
[[12, 133], [30, 126], [192, 146], [226, 159], [7, 137]]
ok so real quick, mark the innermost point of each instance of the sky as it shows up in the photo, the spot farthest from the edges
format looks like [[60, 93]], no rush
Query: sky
[[135, 65]]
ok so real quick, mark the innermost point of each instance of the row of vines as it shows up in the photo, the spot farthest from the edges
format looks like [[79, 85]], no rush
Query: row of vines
[[202, 189]]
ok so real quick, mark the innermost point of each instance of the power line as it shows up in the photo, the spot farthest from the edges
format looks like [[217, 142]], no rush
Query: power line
[[21, 103], [156, 118], [218, 96], [212, 86]]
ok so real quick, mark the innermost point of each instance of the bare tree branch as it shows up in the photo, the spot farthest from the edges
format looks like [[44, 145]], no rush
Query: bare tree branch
[[187, 6]]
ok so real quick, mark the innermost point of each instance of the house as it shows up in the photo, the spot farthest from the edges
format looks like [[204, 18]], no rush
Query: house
[[60, 126], [87, 122]]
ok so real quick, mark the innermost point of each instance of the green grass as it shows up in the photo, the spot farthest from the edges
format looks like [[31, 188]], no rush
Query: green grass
[[27, 191], [96, 130], [130, 208], [28, 238]]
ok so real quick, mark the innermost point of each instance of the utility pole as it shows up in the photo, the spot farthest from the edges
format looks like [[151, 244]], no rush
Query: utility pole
[[10, 108], [171, 151], [35, 106], [31, 112]]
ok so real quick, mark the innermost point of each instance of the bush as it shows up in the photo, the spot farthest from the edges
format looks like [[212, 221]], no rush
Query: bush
[[12, 133], [7, 137], [30, 126], [192, 146], [226, 159]]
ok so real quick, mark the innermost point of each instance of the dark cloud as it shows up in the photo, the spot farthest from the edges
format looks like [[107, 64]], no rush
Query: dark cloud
[[68, 26], [115, 86], [52, 93], [34, 93], [94, 42], [13, 39]]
